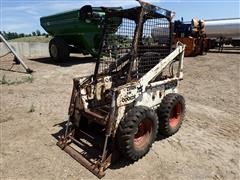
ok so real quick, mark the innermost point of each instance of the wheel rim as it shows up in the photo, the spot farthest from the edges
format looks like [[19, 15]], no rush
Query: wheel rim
[[54, 50], [175, 115], [143, 134]]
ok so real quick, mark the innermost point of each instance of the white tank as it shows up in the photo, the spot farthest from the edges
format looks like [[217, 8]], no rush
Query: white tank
[[228, 28], [160, 34]]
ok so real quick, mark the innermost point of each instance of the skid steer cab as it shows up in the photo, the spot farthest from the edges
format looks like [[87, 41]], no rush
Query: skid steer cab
[[132, 95]]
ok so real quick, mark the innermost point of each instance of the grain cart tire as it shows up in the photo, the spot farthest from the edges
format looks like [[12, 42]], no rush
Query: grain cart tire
[[58, 49], [137, 132], [170, 114]]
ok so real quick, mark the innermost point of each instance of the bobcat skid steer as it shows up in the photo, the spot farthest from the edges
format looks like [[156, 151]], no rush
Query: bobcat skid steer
[[132, 95]]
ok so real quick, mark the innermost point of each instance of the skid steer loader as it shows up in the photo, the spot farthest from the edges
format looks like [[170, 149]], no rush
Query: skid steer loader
[[132, 95]]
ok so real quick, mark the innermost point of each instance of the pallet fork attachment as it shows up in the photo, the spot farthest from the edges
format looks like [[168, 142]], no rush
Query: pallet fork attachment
[[98, 165], [97, 168]]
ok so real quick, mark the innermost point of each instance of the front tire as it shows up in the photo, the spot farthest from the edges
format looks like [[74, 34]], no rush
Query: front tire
[[58, 49], [170, 114], [137, 132]]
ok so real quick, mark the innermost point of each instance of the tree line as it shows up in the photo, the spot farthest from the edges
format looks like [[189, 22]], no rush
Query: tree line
[[14, 35]]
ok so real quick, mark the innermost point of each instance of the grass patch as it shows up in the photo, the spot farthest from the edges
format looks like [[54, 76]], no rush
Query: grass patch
[[28, 79], [41, 39], [3, 80]]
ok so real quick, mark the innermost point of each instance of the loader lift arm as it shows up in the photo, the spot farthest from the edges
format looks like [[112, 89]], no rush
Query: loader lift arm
[[155, 71]]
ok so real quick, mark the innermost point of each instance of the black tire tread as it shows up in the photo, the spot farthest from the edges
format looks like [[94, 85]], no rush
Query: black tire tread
[[164, 111], [63, 50], [128, 126]]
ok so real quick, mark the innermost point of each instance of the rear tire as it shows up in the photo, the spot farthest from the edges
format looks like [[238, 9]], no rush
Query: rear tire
[[170, 114], [137, 132], [58, 49]]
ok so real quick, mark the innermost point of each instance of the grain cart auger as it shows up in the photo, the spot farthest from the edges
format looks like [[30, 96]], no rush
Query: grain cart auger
[[132, 95]]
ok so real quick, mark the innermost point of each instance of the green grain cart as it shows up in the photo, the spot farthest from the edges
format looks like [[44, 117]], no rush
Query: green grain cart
[[76, 31]]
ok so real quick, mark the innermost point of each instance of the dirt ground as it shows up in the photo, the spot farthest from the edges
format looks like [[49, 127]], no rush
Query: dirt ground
[[206, 147]]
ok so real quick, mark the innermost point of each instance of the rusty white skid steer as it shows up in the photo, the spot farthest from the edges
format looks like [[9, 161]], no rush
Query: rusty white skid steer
[[132, 95]]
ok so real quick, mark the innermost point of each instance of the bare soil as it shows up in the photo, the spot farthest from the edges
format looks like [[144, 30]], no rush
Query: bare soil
[[206, 147]]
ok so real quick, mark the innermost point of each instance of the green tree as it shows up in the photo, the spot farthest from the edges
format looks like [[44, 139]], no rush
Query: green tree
[[21, 35], [5, 35], [38, 33]]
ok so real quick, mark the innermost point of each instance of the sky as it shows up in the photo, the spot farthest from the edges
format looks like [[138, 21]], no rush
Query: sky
[[22, 16]]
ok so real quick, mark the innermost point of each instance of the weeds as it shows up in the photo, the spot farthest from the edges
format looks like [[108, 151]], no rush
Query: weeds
[[32, 109], [30, 79], [4, 80]]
